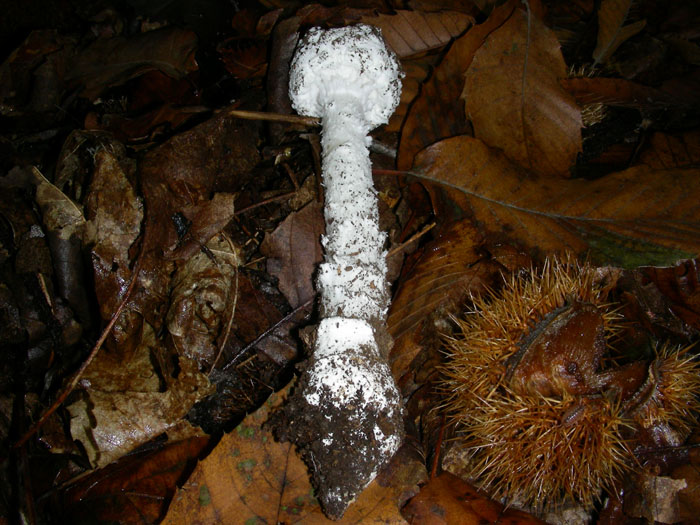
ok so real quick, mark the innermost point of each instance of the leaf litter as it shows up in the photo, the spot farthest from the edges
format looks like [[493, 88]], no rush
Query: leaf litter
[[150, 189]]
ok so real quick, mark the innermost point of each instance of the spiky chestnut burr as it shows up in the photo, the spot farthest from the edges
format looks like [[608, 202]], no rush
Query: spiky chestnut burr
[[540, 421]]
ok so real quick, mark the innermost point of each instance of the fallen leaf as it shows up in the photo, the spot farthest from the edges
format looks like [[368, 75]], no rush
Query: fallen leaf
[[413, 32], [122, 403], [444, 272], [250, 478], [293, 251], [631, 218], [109, 62], [136, 489], [114, 212], [65, 225], [666, 151], [515, 101], [206, 219], [612, 31], [438, 112], [448, 500], [203, 301]]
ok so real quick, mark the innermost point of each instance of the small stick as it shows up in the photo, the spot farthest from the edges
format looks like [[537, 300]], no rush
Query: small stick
[[275, 117], [413, 237], [73, 382]]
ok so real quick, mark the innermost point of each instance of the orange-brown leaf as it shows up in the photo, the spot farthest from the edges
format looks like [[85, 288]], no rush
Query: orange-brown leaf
[[438, 112], [514, 99], [639, 216], [251, 478], [442, 275], [448, 500], [678, 150], [135, 489], [612, 31], [412, 32]]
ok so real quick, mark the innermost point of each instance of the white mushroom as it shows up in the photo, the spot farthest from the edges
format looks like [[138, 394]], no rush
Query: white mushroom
[[349, 79]]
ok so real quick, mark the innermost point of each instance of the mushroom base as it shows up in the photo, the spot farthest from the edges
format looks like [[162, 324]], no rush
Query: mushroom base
[[344, 439]]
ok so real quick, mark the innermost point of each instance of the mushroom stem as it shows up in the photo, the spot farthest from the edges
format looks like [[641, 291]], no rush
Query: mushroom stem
[[345, 415]]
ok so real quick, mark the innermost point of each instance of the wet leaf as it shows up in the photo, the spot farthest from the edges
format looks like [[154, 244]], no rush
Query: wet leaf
[[109, 62], [123, 404], [678, 150], [635, 217], [438, 112], [203, 301], [448, 500], [293, 251], [251, 478], [412, 32], [114, 212], [135, 489], [514, 99], [612, 31]]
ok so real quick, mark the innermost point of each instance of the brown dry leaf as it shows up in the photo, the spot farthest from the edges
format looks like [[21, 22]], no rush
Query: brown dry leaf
[[665, 151], [678, 287], [447, 500], [109, 62], [416, 71], [515, 101], [612, 31], [689, 471], [412, 32], [293, 251], [250, 478], [631, 218], [444, 273], [438, 112], [136, 489], [657, 500], [207, 218]]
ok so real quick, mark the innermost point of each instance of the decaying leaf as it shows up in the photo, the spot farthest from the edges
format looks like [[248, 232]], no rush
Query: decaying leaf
[[514, 99], [445, 272], [202, 303], [123, 405], [114, 212], [612, 31], [618, 92], [293, 251], [666, 151], [251, 478], [635, 217]]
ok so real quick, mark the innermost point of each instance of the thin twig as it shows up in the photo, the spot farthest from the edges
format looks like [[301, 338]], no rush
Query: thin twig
[[412, 238], [233, 307], [438, 448], [269, 331], [266, 201], [74, 381], [275, 117]]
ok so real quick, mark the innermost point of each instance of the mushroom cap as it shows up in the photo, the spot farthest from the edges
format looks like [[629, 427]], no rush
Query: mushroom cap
[[351, 61]]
